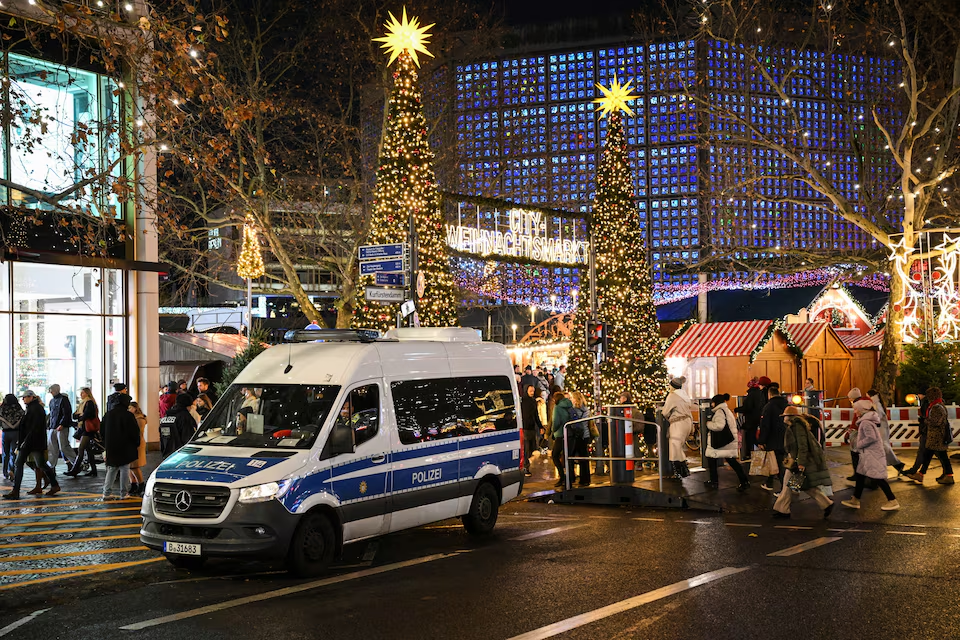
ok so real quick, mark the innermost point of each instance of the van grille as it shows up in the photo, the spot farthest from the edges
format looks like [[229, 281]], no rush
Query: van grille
[[201, 501]]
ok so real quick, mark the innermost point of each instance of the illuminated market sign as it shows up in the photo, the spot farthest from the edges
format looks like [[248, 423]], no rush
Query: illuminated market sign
[[526, 237]]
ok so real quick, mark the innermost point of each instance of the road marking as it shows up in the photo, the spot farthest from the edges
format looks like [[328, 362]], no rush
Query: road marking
[[44, 524], [65, 513], [742, 524], [625, 605], [694, 521], [606, 517], [953, 535], [74, 504], [17, 504], [59, 531], [100, 569], [907, 533], [850, 530], [649, 519], [547, 532], [48, 556], [800, 548], [279, 593], [22, 621], [238, 575], [60, 543], [791, 527]]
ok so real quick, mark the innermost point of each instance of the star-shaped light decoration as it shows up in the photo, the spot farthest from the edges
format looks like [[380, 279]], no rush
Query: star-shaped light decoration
[[615, 98], [405, 35]]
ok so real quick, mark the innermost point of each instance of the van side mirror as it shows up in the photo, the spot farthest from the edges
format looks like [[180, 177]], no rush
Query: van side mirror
[[341, 439]]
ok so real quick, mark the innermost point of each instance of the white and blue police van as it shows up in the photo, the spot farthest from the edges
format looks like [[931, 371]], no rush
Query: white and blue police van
[[322, 443]]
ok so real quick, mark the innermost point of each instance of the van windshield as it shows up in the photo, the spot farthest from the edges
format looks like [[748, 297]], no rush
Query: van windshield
[[285, 416]]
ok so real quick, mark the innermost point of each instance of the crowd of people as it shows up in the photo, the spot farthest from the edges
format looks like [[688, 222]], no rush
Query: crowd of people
[[37, 436]]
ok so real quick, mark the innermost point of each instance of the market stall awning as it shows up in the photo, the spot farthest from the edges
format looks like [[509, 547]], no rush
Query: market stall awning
[[717, 339], [868, 341]]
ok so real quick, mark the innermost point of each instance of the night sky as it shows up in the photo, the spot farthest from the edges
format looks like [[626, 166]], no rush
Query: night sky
[[519, 12]]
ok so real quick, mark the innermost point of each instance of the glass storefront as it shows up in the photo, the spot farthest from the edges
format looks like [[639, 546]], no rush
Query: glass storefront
[[62, 325]]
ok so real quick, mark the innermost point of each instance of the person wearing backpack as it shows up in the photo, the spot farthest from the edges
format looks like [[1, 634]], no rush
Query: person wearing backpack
[[722, 443], [939, 436]]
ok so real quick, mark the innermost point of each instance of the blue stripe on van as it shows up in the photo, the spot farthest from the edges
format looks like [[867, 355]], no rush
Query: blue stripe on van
[[185, 466]]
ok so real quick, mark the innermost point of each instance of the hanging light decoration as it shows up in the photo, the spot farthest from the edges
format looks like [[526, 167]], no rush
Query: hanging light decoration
[[250, 262]]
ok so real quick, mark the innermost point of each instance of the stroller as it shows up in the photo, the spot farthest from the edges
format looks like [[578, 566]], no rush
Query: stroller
[[96, 449]]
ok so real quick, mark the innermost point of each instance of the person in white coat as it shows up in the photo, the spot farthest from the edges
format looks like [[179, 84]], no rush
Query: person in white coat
[[678, 411], [872, 461], [722, 442], [892, 459]]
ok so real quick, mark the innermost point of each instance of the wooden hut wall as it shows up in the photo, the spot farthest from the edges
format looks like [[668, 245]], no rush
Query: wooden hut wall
[[863, 368], [829, 363], [777, 362]]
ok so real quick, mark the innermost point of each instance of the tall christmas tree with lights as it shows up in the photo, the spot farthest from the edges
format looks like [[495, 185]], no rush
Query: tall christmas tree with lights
[[406, 186], [624, 289]]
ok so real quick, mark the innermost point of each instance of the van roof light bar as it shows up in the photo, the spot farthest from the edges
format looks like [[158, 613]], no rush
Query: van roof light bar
[[331, 335]]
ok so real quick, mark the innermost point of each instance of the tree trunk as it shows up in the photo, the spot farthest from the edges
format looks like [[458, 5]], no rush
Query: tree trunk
[[891, 353], [292, 280], [345, 303]]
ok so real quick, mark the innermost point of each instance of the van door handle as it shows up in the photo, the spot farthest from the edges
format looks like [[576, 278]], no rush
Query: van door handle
[[378, 459]]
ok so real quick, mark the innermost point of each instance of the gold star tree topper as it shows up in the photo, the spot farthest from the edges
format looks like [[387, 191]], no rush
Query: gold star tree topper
[[615, 98], [405, 35]]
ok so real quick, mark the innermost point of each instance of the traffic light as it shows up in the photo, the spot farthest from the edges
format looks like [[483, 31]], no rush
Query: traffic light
[[596, 336]]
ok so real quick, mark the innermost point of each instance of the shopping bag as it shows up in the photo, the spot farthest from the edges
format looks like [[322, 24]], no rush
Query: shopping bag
[[770, 466], [756, 463]]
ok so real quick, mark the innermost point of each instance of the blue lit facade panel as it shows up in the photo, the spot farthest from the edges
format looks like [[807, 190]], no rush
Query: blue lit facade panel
[[524, 81]]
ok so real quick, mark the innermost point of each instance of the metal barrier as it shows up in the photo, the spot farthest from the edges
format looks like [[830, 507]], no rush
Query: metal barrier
[[567, 458]]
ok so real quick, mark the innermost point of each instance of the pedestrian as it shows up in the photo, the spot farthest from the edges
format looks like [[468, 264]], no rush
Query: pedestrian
[[89, 424], [939, 436], [137, 484], [922, 445], [11, 414], [178, 426], [892, 459], [580, 437], [203, 406], [722, 443], [542, 379], [205, 388], [772, 431], [31, 446], [532, 427], [559, 420], [182, 386], [119, 389], [58, 425], [804, 455], [529, 378], [560, 377], [872, 461], [168, 398], [678, 411], [808, 385], [752, 411], [853, 395], [121, 441]]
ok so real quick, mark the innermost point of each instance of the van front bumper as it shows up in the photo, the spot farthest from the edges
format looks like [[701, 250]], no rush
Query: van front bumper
[[238, 535]]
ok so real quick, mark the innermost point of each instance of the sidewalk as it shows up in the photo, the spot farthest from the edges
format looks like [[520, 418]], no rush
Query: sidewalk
[[726, 497]]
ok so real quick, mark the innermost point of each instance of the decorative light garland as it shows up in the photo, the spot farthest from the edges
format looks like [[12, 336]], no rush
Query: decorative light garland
[[250, 260]]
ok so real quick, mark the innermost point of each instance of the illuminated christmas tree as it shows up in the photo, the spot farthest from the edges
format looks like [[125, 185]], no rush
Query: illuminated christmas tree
[[406, 184], [250, 261], [635, 362]]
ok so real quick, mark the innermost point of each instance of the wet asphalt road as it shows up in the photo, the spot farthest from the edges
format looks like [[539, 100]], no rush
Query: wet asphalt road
[[549, 571]]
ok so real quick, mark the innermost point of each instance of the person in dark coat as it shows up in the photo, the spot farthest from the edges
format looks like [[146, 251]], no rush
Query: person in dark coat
[[922, 421], [119, 389], [121, 441], [752, 410], [528, 378], [31, 445], [772, 432], [559, 420], [205, 388], [177, 427], [532, 427], [939, 436], [59, 423]]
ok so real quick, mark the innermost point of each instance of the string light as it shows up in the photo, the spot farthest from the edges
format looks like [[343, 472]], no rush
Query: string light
[[250, 261]]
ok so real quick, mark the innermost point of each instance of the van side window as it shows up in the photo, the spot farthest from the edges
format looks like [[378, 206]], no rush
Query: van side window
[[444, 408], [361, 410]]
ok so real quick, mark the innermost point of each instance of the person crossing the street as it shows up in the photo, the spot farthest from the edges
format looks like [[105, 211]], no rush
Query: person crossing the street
[[871, 458], [804, 456], [772, 432], [722, 443], [678, 411], [939, 437], [31, 446], [532, 427], [60, 421]]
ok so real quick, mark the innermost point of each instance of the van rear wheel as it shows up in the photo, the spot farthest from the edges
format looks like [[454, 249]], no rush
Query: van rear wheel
[[482, 517], [312, 547]]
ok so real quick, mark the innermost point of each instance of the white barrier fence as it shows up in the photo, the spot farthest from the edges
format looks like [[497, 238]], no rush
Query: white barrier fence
[[904, 426]]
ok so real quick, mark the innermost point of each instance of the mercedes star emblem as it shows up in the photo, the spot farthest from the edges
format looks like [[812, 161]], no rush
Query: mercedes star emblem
[[183, 500]]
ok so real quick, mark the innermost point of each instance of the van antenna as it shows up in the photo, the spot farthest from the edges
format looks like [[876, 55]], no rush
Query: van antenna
[[289, 366]]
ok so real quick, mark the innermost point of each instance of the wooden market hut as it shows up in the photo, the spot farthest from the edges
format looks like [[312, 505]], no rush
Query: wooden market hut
[[825, 358], [720, 357], [866, 355]]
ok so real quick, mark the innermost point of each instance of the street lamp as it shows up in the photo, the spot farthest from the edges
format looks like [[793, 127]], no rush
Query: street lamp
[[514, 327], [533, 315], [553, 303], [573, 294]]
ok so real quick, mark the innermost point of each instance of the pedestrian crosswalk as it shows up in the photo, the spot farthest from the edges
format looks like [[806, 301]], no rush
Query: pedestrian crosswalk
[[73, 534]]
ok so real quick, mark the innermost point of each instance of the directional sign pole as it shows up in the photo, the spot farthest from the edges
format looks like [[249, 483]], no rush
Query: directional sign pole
[[413, 262]]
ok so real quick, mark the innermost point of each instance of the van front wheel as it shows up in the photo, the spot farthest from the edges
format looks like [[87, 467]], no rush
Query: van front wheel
[[482, 517], [312, 546]]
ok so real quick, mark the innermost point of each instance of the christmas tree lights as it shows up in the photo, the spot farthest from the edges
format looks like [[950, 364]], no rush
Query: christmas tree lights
[[406, 186], [624, 289], [250, 261]]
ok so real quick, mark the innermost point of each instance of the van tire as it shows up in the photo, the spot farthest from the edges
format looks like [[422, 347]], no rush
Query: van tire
[[312, 547], [482, 517], [185, 562]]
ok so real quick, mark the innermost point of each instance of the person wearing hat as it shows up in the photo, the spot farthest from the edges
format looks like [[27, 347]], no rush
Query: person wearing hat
[[807, 458], [722, 442], [772, 432], [119, 389], [678, 411], [31, 445], [872, 460], [752, 411], [177, 426]]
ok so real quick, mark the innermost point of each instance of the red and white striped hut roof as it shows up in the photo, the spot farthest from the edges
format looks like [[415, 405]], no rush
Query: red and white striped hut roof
[[869, 341], [804, 334], [717, 339]]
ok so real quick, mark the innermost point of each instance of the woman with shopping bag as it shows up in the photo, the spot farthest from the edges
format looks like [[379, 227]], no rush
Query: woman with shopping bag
[[806, 465], [722, 443], [677, 410]]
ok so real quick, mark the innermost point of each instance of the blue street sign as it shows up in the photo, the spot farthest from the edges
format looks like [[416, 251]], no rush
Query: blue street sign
[[392, 279], [380, 251], [368, 268]]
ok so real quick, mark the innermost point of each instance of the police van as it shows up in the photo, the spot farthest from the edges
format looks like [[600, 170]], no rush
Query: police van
[[346, 437]]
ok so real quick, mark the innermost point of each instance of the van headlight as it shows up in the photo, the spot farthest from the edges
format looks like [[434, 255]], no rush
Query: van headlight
[[148, 489], [264, 492]]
